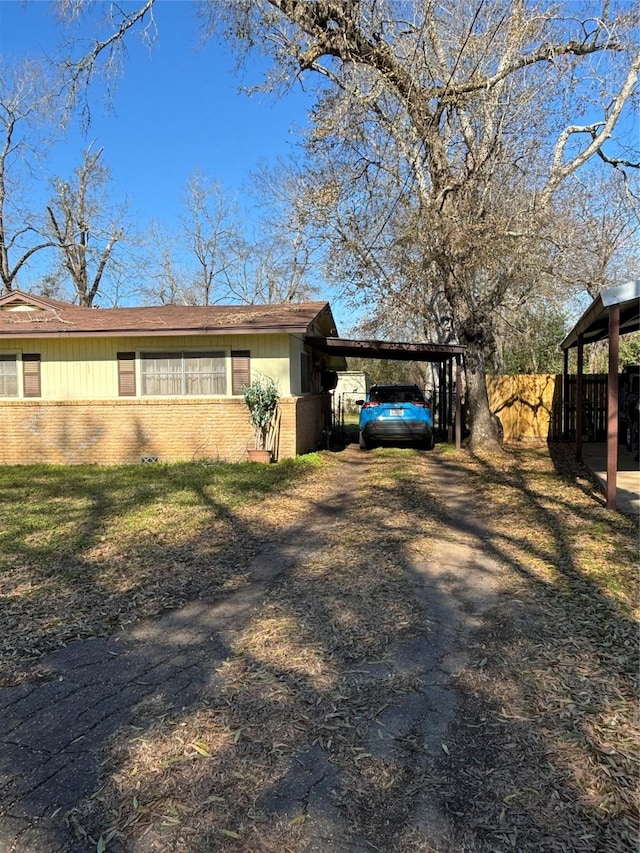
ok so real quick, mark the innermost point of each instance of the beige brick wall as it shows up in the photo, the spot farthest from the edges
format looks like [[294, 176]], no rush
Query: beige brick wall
[[110, 432], [313, 416]]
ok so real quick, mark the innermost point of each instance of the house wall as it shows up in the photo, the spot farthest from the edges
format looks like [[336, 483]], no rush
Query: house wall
[[81, 419], [110, 432], [353, 383], [296, 348], [86, 368]]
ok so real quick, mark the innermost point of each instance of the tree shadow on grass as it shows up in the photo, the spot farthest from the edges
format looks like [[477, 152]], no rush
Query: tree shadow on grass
[[86, 550], [567, 646], [311, 707]]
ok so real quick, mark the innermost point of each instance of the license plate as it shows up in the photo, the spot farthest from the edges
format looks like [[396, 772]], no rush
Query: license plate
[[396, 413]]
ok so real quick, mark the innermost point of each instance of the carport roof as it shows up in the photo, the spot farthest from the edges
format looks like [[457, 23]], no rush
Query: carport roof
[[394, 350], [594, 323]]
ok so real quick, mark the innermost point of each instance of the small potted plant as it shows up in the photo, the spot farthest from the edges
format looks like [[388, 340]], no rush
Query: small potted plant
[[261, 398]]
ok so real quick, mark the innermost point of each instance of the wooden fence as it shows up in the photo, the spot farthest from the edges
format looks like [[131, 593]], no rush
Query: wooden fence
[[539, 407]]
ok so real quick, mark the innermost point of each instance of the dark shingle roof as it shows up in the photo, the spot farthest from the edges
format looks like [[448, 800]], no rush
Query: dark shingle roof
[[53, 318]]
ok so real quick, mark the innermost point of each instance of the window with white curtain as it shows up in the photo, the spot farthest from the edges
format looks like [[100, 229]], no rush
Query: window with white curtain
[[8, 376], [183, 373]]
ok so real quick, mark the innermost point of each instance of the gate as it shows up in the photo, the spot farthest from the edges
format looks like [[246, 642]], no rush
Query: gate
[[563, 413]]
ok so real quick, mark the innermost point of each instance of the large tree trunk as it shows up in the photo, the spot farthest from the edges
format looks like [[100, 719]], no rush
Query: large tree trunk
[[484, 428], [475, 329]]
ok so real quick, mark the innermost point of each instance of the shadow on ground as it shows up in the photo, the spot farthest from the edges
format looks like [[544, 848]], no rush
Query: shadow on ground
[[351, 696]]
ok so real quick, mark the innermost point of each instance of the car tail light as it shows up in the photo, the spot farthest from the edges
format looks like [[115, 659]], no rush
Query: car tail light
[[370, 405]]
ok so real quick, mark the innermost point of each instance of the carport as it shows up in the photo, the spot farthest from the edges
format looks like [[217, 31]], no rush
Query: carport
[[614, 312], [446, 355]]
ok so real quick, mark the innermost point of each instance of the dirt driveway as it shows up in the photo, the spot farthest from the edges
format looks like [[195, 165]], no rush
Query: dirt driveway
[[335, 701]]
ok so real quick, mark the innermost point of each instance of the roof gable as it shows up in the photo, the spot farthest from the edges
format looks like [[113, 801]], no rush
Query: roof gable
[[16, 300]]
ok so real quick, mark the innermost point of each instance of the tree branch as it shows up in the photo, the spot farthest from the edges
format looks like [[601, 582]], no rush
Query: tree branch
[[599, 132], [81, 72]]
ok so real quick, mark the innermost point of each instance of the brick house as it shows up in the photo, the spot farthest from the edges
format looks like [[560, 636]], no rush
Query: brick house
[[119, 385]]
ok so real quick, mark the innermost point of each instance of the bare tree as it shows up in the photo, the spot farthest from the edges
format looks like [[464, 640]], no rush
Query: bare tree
[[25, 102], [268, 268], [210, 226], [598, 237], [217, 257], [85, 227], [104, 55], [479, 103], [280, 261], [484, 112], [164, 278]]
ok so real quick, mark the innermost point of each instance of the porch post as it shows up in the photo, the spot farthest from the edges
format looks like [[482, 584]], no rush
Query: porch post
[[579, 398], [458, 405], [612, 406], [564, 414]]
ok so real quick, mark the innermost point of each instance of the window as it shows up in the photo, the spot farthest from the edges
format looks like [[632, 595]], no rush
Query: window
[[30, 375], [8, 376], [183, 373]]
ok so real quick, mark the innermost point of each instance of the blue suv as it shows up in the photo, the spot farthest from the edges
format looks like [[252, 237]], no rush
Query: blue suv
[[395, 413]]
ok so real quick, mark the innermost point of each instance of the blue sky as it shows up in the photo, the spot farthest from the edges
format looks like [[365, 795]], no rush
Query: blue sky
[[176, 107]]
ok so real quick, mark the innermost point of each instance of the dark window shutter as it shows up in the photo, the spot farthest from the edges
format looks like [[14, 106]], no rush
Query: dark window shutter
[[306, 385], [127, 374], [31, 374], [240, 370]]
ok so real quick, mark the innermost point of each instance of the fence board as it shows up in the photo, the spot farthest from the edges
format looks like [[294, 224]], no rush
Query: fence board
[[535, 407]]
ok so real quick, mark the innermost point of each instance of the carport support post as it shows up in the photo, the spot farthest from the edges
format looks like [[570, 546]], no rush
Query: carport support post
[[565, 421], [442, 400], [612, 406], [448, 368], [458, 405], [580, 398]]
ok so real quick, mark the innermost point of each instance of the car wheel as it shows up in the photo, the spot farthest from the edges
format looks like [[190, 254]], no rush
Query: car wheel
[[362, 441], [430, 442]]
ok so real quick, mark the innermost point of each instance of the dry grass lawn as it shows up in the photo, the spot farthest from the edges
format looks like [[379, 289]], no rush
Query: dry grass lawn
[[543, 754]]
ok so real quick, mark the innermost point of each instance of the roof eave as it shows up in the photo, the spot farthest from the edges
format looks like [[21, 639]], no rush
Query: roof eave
[[583, 324], [81, 322], [394, 350], [154, 333]]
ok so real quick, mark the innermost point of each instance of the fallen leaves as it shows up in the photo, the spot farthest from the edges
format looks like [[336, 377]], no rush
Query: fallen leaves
[[544, 751]]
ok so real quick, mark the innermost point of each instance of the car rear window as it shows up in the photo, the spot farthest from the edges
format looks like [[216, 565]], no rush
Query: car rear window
[[396, 395]]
